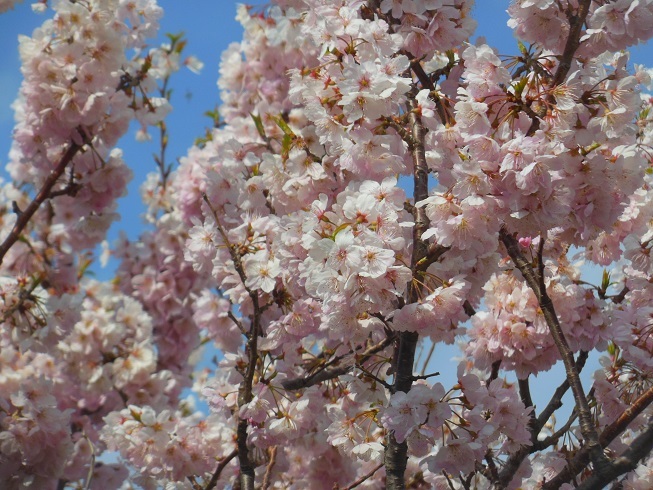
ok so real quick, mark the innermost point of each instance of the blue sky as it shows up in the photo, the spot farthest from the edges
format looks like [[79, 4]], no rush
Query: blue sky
[[210, 27]]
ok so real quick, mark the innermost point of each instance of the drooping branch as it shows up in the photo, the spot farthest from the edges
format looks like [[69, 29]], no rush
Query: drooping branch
[[44, 193]]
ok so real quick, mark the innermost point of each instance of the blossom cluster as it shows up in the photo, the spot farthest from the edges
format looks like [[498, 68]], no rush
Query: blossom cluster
[[375, 183]]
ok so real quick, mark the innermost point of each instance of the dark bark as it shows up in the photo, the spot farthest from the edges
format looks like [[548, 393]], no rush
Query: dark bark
[[396, 454], [611, 432]]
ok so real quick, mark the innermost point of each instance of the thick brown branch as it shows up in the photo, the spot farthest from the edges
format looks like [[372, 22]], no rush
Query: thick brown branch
[[637, 450], [43, 194], [396, 454], [612, 431], [576, 22]]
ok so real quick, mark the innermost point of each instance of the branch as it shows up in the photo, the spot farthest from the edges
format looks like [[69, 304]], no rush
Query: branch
[[494, 373], [396, 454], [433, 253], [333, 372], [537, 285], [556, 400], [515, 460], [624, 420], [245, 389], [492, 473], [223, 464], [527, 400], [618, 298], [363, 478], [268, 469], [553, 438], [43, 194], [638, 449], [426, 82], [576, 23], [607, 436], [425, 376]]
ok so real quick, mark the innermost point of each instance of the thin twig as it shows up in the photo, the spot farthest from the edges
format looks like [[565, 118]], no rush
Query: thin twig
[[221, 466], [268, 469], [426, 376], [428, 358], [363, 478], [553, 438]]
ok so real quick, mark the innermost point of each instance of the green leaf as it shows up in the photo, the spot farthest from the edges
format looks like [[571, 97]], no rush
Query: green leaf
[[605, 282], [258, 122], [284, 126], [286, 144]]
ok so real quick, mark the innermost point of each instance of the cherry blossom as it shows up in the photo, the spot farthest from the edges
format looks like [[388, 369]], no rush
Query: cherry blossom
[[375, 186]]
